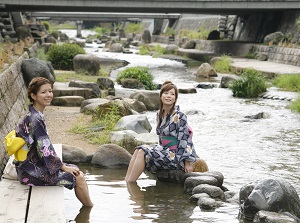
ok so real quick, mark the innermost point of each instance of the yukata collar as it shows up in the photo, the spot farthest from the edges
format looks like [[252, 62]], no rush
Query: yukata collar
[[176, 108], [32, 109]]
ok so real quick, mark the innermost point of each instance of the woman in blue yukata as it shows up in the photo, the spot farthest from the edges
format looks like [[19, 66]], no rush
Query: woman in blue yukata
[[175, 150], [43, 167]]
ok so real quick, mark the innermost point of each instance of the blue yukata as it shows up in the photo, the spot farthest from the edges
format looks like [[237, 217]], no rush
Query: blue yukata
[[175, 144], [42, 165]]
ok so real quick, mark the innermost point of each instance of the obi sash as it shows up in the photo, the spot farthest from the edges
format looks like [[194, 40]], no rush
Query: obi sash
[[169, 142]]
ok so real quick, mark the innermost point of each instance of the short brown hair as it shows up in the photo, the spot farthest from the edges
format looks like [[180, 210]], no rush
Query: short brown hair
[[35, 85]]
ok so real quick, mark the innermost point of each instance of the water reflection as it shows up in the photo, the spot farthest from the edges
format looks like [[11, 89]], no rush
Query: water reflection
[[166, 200]]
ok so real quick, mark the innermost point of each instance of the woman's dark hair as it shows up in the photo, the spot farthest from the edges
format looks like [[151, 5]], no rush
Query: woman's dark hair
[[166, 86], [35, 85]]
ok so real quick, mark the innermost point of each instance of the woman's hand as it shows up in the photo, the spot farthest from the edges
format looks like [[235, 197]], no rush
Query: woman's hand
[[70, 169], [188, 167]]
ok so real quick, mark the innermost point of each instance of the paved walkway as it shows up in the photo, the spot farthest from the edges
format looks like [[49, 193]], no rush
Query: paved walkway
[[265, 66]]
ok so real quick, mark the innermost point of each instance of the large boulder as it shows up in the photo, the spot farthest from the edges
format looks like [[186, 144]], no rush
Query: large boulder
[[136, 123], [274, 195], [146, 36], [206, 70], [88, 64], [129, 139], [72, 154], [35, 67], [149, 98], [111, 155]]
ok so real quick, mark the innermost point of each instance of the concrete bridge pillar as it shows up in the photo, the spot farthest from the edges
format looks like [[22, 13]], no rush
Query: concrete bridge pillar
[[158, 25], [79, 28]]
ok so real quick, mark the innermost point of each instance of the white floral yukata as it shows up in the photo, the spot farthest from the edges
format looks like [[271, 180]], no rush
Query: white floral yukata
[[175, 145], [42, 165]]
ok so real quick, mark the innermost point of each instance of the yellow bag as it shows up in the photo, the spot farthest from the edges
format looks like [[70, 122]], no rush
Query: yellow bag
[[16, 145]]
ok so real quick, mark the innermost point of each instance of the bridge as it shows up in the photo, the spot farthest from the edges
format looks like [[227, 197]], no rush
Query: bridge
[[93, 16], [229, 7]]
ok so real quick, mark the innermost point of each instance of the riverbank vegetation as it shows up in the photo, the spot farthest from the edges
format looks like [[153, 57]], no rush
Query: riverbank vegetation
[[289, 82], [98, 129], [142, 74], [61, 55], [223, 65], [250, 84]]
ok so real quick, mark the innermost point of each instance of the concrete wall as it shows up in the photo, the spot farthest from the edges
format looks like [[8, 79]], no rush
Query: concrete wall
[[253, 28], [13, 103]]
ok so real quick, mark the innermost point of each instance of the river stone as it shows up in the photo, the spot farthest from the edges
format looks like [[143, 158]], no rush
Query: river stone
[[206, 70], [105, 83], [88, 64], [111, 155], [136, 105], [217, 175], [275, 195], [192, 182], [149, 98], [267, 216], [136, 123], [129, 139], [208, 203], [212, 191], [73, 154]]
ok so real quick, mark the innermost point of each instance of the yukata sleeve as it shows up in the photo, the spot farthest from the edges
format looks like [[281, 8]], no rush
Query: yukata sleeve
[[185, 148], [45, 149]]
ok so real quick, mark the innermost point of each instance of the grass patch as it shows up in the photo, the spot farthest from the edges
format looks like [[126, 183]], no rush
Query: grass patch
[[223, 65], [67, 76], [56, 27], [98, 129], [295, 105], [288, 82]]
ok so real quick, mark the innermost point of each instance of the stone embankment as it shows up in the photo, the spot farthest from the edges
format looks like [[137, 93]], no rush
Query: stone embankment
[[13, 101]]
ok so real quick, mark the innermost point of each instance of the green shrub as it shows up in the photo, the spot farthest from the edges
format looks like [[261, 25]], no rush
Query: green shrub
[[61, 55], [288, 82], [46, 24], [55, 34], [140, 73], [249, 85], [170, 32], [223, 65], [134, 28], [100, 31]]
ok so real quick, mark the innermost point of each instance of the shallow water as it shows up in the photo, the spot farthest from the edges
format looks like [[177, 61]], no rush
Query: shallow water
[[243, 149]]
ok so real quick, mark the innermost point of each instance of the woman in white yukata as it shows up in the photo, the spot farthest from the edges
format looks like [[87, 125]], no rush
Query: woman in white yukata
[[175, 150]]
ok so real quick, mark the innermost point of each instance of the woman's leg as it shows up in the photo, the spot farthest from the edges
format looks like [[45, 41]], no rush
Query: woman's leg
[[133, 158], [136, 166], [82, 191]]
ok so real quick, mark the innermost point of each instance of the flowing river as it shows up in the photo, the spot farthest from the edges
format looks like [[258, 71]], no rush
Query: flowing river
[[242, 149]]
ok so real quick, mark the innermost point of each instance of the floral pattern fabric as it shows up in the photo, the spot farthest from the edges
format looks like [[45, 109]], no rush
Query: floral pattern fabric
[[160, 157], [42, 165]]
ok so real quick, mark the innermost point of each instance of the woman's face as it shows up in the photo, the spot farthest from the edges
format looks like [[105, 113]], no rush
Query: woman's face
[[43, 97], [168, 98]]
